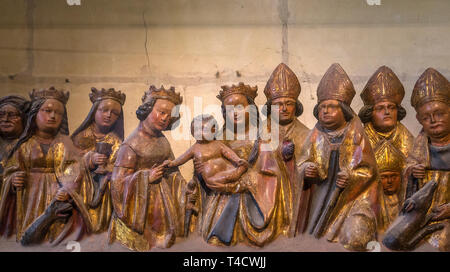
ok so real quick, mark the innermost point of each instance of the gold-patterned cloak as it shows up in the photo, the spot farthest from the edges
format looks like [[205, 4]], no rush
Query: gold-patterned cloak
[[420, 154], [261, 202], [146, 215], [391, 150], [298, 199], [357, 199], [46, 173], [86, 141]]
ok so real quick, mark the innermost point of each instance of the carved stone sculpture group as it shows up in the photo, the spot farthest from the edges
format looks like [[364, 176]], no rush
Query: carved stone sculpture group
[[352, 178]]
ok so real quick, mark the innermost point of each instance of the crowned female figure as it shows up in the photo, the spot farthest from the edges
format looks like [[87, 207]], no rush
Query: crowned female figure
[[148, 198], [104, 124], [252, 210], [44, 173]]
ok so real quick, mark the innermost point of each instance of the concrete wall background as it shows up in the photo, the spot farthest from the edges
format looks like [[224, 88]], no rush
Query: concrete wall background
[[199, 45]]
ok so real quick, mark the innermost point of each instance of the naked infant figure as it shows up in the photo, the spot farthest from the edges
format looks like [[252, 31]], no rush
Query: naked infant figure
[[219, 167]]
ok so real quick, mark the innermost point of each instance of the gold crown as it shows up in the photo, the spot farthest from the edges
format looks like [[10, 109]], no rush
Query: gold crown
[[111, 93], [336, 84], [389, 158], [241, 88], [431, 86], [60, 95], [162, 93], [383, 85], [282, 83]]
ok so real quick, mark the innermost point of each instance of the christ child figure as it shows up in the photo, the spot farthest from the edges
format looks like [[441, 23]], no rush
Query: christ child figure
[[220, 166]]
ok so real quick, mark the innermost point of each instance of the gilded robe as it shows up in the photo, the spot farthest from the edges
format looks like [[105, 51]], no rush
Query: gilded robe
[[298, 199], [255, 210], [356, 201], [399, 141], [47, 171], [146, 215], [86, 141], [7, 222], [437, 167]]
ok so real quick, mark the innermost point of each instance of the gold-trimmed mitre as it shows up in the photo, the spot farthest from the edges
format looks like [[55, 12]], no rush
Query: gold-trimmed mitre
[[383, 85], [431, 86], [389, 158], [336, 85], [52, 92], [162, 93], [282, 83], [241, 88], [111, 93]]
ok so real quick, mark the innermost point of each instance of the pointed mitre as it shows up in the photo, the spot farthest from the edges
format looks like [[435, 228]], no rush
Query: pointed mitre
[[336, 84], [431, 86], [282, 83], [383, 85], [389, 158]]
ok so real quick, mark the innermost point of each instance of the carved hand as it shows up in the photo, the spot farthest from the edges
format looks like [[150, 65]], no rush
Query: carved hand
[[199, 168], [311, 172], [408, 206], [191, 194], [167, 163], [242, 162], [155, 173], [62, 195], [342, 179], [418, 171], [98, 159], [18, 179], [441, 212]]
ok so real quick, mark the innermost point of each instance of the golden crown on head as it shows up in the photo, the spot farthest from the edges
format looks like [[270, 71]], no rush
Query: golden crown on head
[[52, 92], [111, 93], [241, 88], [162, 93]]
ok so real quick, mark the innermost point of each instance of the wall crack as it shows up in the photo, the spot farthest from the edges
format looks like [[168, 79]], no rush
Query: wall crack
[[146, 41], [283, 14]]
